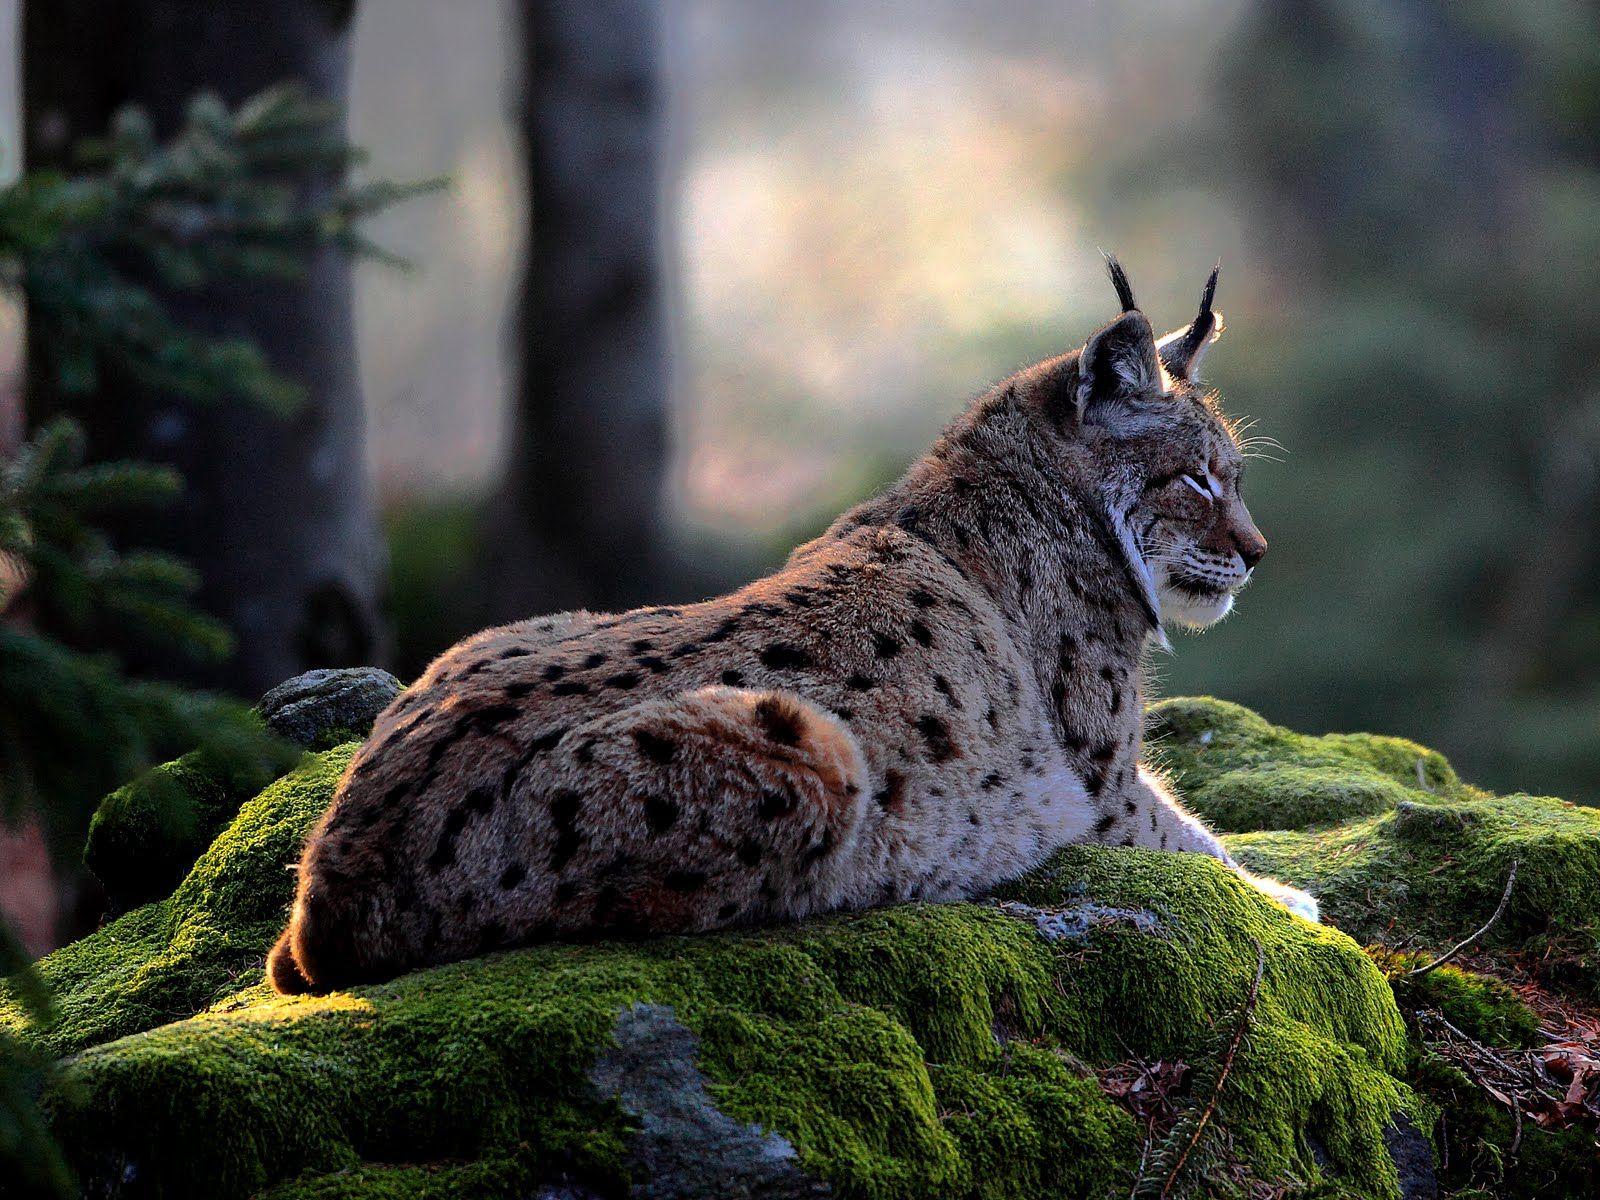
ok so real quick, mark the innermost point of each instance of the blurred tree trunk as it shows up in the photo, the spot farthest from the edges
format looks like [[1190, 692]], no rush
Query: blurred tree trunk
[[278, 514], [578, 520]]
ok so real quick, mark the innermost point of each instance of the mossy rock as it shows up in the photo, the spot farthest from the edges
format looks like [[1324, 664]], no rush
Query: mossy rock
[[145, 836], [1243, 773], [916, 1051]]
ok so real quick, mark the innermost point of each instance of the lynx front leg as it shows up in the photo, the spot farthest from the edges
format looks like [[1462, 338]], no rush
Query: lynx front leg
[[1152, 817]]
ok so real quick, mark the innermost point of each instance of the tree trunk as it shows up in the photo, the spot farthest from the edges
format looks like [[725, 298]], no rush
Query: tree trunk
[[579, 518], [278, 513]]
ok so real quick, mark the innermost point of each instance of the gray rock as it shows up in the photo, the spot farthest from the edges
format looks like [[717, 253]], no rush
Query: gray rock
[[312, 708], [685, 1149], [1412, 1153], [1074, 921]]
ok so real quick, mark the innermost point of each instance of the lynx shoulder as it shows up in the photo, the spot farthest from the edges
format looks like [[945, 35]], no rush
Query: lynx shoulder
[[924, 701]]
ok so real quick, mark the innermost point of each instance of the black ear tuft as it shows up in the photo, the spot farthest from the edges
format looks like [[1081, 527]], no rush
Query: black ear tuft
[[1182, 349], [1119, 280]]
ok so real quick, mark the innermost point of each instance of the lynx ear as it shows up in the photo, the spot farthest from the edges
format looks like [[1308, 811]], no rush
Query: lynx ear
[[1182, 349], [1118, 364], [1117, 367]]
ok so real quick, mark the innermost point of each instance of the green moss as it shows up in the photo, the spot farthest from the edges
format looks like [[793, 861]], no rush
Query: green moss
[[146, 835], [1484, 1008], [924, 1050], [1484, 1151], [921, 1050], [1436, 870], [171, 958], [1241, 772]]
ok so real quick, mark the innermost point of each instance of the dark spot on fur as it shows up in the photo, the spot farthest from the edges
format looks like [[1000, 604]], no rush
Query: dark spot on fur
[[922, 634], [1074, 740], [884, 645], [1104, 752], [819, 850], [490, 715], [685, 650], [626, 681], [923, 598], [570, 688], [728, 627], [660, 814], [992, 780], [993, 718], [686, 882], [782, 657], [892, 797], [727, 912], [657, 665], [479, 800], [512, 875], [978, 645], [937, 735], [518, 689], [1130, 807], [860, 683], [733, 678], [641, 645], [655, 747], [948, 692], [845, 714], [972, 819], [749, 852], [444, 852], [566, 845], [597, 659], [554, 672], [1116, 699], [776, 804], [585, 751], [779, 720], [798, 598], [564, 807], [1104, 824], [514, 652], [565, 891]]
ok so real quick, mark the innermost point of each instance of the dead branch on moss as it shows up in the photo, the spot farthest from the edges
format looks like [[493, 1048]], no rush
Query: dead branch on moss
[[1461, 947], [1232, 1052]]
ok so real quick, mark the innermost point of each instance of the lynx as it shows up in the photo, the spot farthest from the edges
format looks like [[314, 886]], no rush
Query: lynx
[[924, 701]]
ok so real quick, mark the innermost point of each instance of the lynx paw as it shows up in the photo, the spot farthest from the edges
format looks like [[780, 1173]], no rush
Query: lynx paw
[[1300, 903]]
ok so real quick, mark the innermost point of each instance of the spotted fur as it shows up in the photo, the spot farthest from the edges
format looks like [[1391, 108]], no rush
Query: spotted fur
[[926, 700]]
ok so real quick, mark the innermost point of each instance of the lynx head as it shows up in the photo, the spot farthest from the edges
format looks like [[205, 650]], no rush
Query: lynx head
[[1166, 463]]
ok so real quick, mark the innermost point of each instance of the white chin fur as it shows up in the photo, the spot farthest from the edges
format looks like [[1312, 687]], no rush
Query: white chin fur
[[1192, 612], [1188, 610]]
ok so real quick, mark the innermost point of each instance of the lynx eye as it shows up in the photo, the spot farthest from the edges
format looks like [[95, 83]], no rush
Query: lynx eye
[[1197, 485]]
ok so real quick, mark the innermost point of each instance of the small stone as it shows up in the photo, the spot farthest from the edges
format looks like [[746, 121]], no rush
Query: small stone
[[322, 707]]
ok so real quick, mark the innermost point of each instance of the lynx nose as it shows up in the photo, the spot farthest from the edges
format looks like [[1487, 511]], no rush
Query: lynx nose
[[1251, 548]]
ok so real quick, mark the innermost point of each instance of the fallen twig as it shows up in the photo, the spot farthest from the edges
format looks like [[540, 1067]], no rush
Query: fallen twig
[[1222, 1076], [1461, 946]]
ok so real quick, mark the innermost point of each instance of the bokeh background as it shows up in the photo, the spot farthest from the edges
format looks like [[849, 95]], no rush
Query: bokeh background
[[708, 271]]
